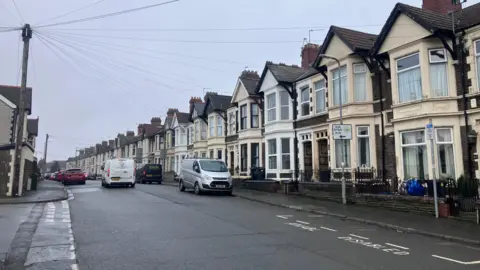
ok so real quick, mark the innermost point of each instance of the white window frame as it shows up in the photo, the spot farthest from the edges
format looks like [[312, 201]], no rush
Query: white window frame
[[438, 143], [402, 145], [243, 116], [477, 60], [348, 158], [274, 155], [197, 130], [219, 126], [203, 130], [284, 106], [361, 136], [231, 120], [431, 62], [254, 119], [271, 108], [408, 69], [359, 68], [320, 91], [211, 126], [183, 134], [302, 102], [282, 154], [342, 85]]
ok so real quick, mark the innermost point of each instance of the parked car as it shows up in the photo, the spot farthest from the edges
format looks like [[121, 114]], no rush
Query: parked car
[[151, 173], [59, 176], [53, 176], [91, 176], [47, 176], [74, 176], [205, 175], [119, 172]]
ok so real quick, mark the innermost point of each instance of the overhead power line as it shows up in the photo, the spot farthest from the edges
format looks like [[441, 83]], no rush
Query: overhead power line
[[186, 29], [109, 14], [18, 11], [71, 12]]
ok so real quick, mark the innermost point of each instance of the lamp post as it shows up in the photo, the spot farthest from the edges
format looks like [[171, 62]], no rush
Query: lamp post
[[344, 192]]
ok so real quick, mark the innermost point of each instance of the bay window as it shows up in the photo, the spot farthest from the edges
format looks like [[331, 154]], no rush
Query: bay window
[[438, 72], [243, 117], [254, 113], [320, 89], [363, 146], [182, 136], [477, 54], [345, 146], [414, 151], [231, 121], [271, 107], [340, 80], [197, 130], [211, 126], [272, 154], [203, 126], [446, 159], [409, 78], [219, 126], [360, 82], [285, 153], [304, 101], [284, 105]]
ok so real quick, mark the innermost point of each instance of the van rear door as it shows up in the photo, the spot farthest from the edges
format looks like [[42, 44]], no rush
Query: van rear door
[[122, 168]]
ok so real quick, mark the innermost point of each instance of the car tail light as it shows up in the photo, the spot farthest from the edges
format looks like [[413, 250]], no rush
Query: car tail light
[[144, 172], [108, 173]]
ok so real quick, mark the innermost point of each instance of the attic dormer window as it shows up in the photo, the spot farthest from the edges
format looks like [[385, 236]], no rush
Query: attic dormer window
[[438, 72]]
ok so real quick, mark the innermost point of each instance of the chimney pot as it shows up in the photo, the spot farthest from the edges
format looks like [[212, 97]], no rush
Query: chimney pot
[[309, 54], [441, 6]]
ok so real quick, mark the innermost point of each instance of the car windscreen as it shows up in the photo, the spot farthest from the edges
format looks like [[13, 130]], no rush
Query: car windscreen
[[153, 168], [213, 166], [73, 171]]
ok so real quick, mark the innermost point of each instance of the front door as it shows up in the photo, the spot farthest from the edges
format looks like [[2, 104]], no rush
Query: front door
[[307, 161], [324, 172], [232, 165]]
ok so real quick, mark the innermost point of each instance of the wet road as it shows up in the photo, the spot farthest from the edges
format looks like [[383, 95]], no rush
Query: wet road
[[158, 227]]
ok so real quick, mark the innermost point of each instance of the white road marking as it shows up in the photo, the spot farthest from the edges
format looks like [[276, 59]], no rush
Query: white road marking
[[358, 236], [284, 216], [328, 229], [392, 245], [303, 222], [75, 267], [394, 251], [315, 216], [456, 261]]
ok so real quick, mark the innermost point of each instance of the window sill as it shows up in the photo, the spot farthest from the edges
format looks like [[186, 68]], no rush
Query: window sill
[[407, 103], [350, 104]]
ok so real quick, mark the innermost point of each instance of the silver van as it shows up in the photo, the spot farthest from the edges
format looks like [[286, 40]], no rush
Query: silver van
[[205, 175]]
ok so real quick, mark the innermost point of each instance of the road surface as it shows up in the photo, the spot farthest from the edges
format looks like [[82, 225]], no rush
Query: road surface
[[158, 227]]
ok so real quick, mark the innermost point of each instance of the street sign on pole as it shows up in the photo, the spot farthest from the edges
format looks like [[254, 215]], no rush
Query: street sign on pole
[[429, 129], [342, 132]]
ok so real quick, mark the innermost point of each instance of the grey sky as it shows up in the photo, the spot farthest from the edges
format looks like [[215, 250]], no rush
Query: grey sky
[[115, 87]]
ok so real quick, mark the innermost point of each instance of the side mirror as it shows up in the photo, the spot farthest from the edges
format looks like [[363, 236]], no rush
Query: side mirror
[[197, 169]]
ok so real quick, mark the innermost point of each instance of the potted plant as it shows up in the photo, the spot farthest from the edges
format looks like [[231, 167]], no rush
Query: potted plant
[[468, 191]]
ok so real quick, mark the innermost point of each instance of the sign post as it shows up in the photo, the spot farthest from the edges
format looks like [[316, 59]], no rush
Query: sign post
[[343, 133], [431, 137]]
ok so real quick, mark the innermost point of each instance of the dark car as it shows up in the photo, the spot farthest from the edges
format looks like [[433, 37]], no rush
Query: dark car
[[150, 173]]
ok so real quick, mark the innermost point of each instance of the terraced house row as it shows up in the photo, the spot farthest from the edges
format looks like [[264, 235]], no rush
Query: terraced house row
[[423, 66]]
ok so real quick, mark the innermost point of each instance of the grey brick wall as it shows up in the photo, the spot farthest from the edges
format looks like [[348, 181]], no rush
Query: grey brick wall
[[5, 163]]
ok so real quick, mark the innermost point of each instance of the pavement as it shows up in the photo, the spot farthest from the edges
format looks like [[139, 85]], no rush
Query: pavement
[[47, 191], [159, 227], [448, 229]]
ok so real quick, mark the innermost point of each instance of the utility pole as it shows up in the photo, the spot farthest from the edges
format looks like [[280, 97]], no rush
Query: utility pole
[[45, 156], [26, 36]]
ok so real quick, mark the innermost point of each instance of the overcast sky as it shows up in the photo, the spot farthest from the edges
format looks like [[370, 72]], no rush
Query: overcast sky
[[95, 79]]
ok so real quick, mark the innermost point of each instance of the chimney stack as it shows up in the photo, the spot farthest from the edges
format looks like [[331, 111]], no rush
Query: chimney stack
[[194, 100], [441, 6], [309, 54], [130, 133], [171, 111], [156, 121], [209, 94]]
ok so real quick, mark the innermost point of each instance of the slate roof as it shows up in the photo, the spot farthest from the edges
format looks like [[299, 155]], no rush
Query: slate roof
[[199, 107], [182, 117], [250, 80], [220, 102], [469, 16], [284, 73], [356, 40], [12, 93], [311, 71], [32, 126]]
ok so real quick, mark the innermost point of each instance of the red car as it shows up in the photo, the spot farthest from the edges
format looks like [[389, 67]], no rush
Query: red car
[[74, 176], [59, 176]]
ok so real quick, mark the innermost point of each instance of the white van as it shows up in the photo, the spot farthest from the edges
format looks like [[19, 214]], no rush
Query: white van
[[119, 172], [205, 175]]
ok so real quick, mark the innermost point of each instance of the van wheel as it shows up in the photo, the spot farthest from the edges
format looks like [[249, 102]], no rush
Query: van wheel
[[132, 185], [181, 187], [196, 189]]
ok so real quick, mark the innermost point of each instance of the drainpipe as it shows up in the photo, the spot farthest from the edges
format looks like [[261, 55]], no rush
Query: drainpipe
[[295, 139], [382, 120], [463, 78]]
